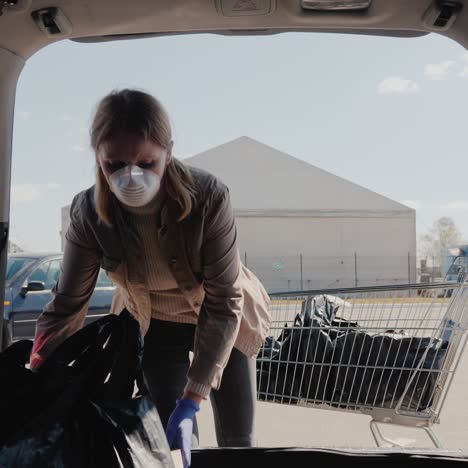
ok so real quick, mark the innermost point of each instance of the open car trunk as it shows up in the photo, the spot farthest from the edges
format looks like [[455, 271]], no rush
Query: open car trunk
[[27, 26]]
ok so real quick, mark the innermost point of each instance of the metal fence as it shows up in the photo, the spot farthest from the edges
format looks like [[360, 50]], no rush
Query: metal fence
[[299, 272]]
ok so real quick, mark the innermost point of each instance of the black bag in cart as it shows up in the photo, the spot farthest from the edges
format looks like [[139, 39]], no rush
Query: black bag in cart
[[79, 409]]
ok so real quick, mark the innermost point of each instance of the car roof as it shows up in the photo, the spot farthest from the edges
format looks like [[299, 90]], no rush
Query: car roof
[[35, 255]]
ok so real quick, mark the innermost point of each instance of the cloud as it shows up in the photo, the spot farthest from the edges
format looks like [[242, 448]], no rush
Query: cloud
[[25, 193], [53, 186], [464, 71], [66, 117], [460, 205], [446, 68], [397, 85], [24, 115], [464, 57], [79, 148], [415, 204], [439, 71]]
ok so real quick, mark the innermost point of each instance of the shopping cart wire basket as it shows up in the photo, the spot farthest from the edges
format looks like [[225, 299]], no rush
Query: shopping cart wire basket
[[388, 352]]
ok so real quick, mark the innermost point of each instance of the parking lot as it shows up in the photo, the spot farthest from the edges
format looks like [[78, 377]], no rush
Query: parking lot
[[283, 425]]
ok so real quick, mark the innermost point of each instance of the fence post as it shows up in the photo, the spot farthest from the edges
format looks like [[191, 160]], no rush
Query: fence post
[[302, 278], [409, 268], [355, 270], [245, 258]]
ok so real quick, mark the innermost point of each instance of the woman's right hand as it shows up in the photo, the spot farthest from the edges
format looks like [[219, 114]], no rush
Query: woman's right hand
[[180, 428]]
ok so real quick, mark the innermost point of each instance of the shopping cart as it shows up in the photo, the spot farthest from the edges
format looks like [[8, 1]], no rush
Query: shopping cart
[[388, 352]]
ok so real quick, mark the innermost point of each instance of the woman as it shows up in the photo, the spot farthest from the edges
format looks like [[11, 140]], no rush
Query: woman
[[166, 235]]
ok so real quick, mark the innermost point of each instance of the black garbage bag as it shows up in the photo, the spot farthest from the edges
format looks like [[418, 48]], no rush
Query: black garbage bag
[[323, 358], [298, 364], [298, 367], [380, 370], [79, 410]]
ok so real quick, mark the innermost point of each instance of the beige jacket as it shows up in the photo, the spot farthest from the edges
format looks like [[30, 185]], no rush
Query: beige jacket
[[231, 304]]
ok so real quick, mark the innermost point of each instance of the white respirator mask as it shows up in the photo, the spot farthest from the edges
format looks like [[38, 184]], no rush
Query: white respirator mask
[[134, 186]]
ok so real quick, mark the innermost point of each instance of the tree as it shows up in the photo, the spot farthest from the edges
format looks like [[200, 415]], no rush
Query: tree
[[443, 233]]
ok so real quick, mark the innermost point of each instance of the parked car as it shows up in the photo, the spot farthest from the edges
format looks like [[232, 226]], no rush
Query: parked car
[[30, 278], [459, 265]]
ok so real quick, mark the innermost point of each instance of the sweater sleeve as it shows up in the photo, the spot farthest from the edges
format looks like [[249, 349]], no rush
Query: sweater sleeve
[[220, 315], [66, 312]]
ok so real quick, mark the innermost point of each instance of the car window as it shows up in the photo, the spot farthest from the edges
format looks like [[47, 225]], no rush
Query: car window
[[15, 266], [47, 273], [103, 280], [457, 263]]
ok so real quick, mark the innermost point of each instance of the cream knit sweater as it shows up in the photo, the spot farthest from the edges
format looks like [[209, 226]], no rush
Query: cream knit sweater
[[167, 300]]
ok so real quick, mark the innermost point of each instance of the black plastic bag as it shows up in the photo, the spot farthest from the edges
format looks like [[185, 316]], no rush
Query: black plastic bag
[[324, 358], [381, 370], [297, 365], [79, 409], [285, 375]]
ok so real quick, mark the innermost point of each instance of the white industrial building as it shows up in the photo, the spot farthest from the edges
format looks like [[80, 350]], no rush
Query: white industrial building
[[300, 227]]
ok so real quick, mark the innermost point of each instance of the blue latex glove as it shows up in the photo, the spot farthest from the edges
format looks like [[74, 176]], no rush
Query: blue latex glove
[[180, 428]]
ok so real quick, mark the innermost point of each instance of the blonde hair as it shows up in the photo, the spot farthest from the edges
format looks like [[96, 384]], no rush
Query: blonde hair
[[138, 113]]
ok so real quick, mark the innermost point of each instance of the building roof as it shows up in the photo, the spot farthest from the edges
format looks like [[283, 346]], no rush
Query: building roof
[[262, 179]]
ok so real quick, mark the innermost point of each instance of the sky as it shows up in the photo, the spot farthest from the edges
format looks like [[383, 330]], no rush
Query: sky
[[389, 114]]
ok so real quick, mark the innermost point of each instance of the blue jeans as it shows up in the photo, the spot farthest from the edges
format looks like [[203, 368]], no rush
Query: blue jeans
[[165, 366]]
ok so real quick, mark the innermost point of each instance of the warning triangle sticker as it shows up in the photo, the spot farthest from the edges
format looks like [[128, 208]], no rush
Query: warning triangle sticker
[[245, 5]]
